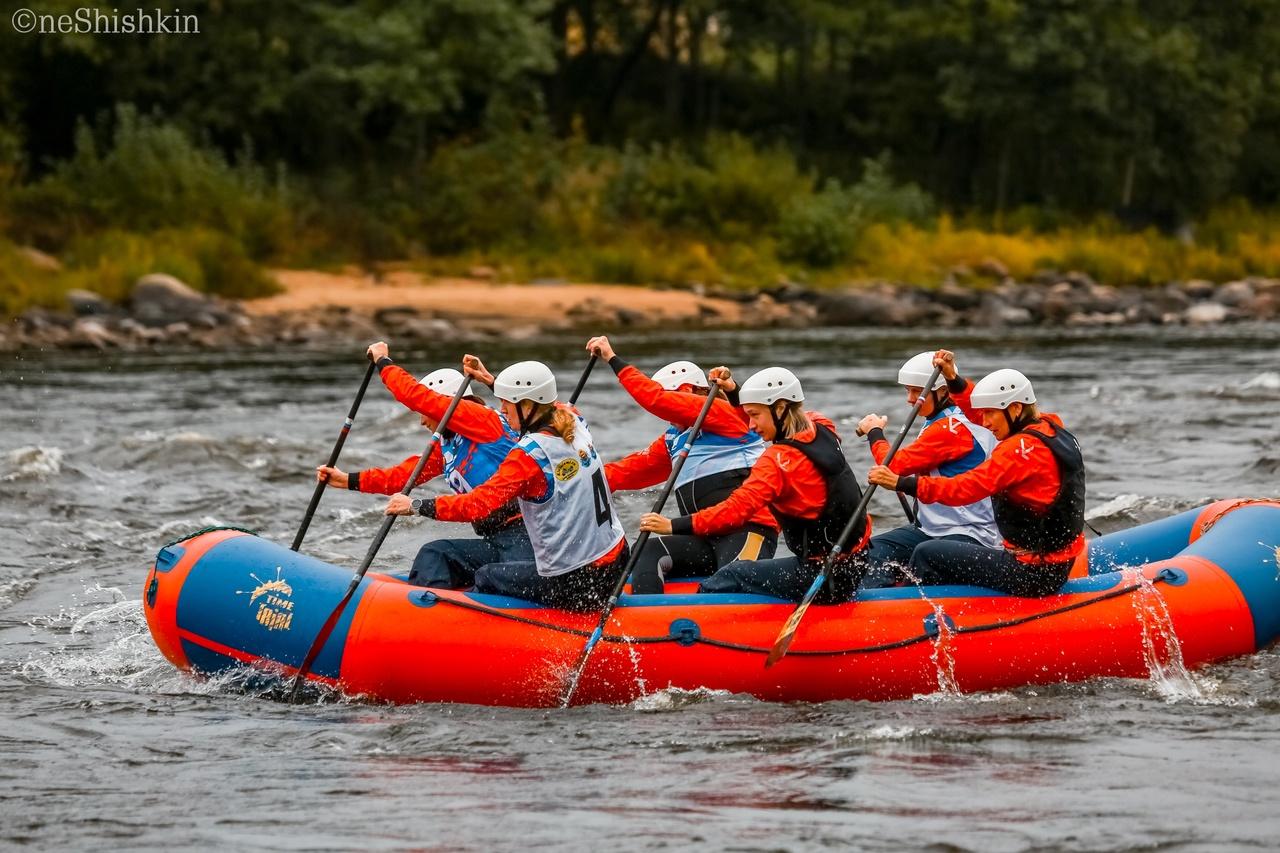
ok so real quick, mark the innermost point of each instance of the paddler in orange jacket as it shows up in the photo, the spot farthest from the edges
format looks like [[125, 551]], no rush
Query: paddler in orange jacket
[[1035, 478], [803, 479], [473, 446], [719, 461]]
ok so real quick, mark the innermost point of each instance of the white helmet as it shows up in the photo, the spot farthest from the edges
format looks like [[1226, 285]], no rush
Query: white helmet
[[679, 373], [444, 381], [998, 390], [771, 385], [917, 371], [526, 380]]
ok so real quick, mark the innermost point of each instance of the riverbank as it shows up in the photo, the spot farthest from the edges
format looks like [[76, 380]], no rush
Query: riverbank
[[317, 309]]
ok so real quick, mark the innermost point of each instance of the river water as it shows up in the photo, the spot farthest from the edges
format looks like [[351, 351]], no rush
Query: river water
[[106, 457]]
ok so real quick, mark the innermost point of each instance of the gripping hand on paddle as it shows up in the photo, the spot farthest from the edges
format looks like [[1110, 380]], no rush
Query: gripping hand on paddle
[[880, 475], [599, 345], [474, 367], [332, 477], [946, 359], [652, 522], [378, 351], [399, 505], [724, 378], [870, 422]]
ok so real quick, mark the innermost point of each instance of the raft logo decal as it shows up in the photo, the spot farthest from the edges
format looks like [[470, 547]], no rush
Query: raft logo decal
[[274, 601], [567, 469]]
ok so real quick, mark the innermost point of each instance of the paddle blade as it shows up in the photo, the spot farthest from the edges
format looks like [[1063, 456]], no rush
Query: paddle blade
[[787, 634], [581, 665]]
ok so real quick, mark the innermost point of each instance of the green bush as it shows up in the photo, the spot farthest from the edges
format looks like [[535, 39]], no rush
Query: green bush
[[726, 188], [818, 230], [485, 194], [152, 176]]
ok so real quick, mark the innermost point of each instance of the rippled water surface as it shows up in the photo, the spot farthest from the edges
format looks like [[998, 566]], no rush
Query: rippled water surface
[[105, 458]]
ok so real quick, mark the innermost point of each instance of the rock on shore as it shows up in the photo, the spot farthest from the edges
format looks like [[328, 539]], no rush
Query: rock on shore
[[163, 311]]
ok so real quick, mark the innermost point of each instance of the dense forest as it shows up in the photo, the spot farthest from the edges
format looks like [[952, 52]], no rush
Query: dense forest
[[748, 139]]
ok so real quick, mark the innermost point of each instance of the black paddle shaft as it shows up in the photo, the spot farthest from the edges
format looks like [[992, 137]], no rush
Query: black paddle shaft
[[861, 511], [582, 380], [387, 522], [333, 458]]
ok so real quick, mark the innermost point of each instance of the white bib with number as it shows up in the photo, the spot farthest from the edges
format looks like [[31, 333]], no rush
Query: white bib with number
[[574, 524]]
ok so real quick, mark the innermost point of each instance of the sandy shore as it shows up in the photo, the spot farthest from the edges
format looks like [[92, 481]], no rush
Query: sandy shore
[[474, 300]]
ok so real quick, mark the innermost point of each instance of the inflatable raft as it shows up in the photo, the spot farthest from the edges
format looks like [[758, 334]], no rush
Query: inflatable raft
[[1195, 588]]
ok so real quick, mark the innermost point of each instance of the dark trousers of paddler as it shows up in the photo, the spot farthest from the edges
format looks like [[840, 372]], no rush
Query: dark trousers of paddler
[[942, 562], [452, 563], [665, 558], [890, 552], [586, 588], [787, 577]]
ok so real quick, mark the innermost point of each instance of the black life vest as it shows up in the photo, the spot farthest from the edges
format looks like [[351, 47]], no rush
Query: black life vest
[[813, 538], [1058, 526], [709, 490], [503, 517]]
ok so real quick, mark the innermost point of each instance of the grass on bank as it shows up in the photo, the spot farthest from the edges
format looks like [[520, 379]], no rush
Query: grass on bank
[[147, 198]]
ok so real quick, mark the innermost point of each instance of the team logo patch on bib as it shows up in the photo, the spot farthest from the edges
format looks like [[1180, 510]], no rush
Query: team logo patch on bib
[[567, 469]]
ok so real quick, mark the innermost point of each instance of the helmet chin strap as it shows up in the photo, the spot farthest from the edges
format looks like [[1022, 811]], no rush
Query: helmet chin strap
[[534, 424], [777, 421], [940, 398], [1016, 425]]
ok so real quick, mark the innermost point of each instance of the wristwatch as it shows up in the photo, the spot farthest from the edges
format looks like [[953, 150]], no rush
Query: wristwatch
[[416, 506]]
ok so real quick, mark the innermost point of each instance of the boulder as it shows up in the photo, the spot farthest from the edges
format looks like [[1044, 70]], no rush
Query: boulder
[[631, 317], [160, 300], [1264, 306], [1145, 312], [1080, 280], [1198, 289], [859, 308], [90, 333], [86, 303], [1014, 315], [954, 296], [482, 272], [1234, 294], [789, 291], [1205, 313], [39, 319]]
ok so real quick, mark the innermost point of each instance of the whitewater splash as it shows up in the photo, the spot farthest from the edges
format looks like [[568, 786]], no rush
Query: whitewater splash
[[676, 698], [33, 463], [1160, 645]]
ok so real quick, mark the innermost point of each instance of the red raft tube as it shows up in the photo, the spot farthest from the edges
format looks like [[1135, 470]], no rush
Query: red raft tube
[[1202, 585]]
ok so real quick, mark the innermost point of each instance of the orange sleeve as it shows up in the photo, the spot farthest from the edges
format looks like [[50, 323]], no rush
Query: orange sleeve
[[961, 394], [681, 409], [1001, 472], [941, 441], [641, 469], [388, 481], [517, 477], [472, 420], [764, 484]]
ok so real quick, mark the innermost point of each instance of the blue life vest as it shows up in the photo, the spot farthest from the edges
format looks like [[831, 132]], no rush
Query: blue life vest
[[469, 463], [976, 519]]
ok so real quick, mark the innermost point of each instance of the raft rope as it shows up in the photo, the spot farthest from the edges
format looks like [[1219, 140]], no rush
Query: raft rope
[[690, 638], [205, 530]]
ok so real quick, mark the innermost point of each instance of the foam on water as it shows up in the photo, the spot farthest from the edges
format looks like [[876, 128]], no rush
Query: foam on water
[[676, 698], [33, 463], [1268, 381]]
